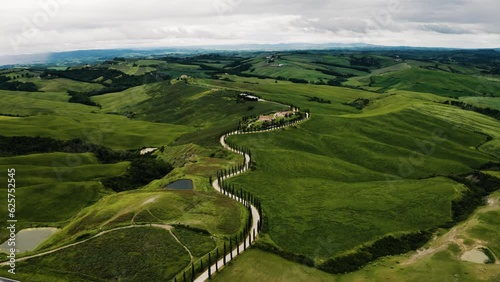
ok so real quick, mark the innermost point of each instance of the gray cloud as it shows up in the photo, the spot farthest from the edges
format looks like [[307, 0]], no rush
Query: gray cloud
[[445, 29], [32, 26]]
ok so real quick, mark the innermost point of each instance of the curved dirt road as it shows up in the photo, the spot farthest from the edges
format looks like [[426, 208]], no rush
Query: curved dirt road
[[255, 214]]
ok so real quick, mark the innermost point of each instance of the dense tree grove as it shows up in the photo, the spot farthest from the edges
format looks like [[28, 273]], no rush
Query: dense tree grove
[[359, 103], [115, 81], [81, 98], [142, 170], [388, 245], [303, 259], [84, 74], [485, 111], [319, 100], [25, 145], [6, 83], [479, 186], [365, 61], [298, 80]]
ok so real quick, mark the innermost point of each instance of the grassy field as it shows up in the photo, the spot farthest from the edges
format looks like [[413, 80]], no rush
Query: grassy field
[[60, 202], [444, 266], [209, 211], [67, 183], [298, 94], [48, 117], [62, 85], [59, 167], [134, 254], [385, 160], [363, 81], [206, 110], [177, 70], [437, 82], [131, 68], [122, 101], [198, 243], [440, 262], [257, 265], [484, 102], [112, 131], [198, 106], [288, 69], [314, 68]]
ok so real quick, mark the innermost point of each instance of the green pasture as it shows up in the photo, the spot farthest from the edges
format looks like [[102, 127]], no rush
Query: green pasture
[[134, 254], [208, 211]]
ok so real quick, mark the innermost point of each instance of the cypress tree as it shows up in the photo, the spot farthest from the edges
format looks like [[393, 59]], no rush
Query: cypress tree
[[192, 272], [237, 245], [231, 247], [224, 253], [216, 259], [209, 267]]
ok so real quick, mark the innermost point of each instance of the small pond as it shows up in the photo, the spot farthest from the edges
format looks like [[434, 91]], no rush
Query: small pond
[[28, 239], [184, 184], [476, 256]]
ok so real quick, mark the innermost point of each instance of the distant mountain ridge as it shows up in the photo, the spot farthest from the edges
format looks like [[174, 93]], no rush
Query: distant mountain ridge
[[68, 58]]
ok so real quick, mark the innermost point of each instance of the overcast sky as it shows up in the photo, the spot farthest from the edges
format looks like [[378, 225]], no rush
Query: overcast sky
[[35, 26]]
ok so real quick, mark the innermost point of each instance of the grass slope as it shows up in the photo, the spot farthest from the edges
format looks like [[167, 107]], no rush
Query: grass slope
[[385, 161], [257, 265], [442, 263], [437, 82], [198, 106], [198, 243], [135, 254], [211, 212], [52, 188]]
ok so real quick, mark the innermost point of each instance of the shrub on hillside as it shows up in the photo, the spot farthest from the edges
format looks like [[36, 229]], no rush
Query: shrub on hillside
[[386, 246], [285, 254], [478, 185], [142, 170]]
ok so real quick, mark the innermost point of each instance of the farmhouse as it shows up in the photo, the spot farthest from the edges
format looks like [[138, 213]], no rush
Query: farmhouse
[[265, 118], [283, 114], [249, 97], [275, 116]]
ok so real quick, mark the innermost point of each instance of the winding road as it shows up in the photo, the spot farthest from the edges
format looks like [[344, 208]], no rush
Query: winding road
[[250, 238], [255, 214]]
